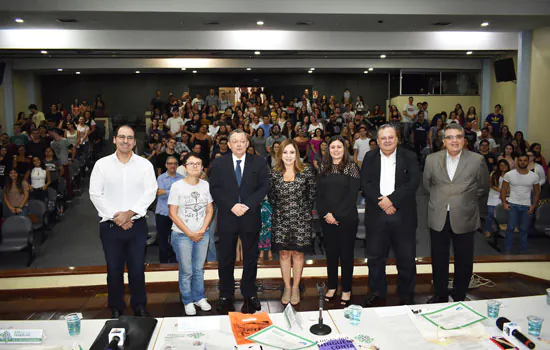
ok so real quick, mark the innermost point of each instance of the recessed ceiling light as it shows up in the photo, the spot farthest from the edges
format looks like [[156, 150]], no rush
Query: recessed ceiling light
[[485, 24], [469, 52], [19, 20], [371, 69], [184, 69], [366, 72], [194, 72], [60, 69], [382, 56], [312, 69], [137, 72], [44, 52], [260, 23], [249, 69], [77, 73], [257, 52]]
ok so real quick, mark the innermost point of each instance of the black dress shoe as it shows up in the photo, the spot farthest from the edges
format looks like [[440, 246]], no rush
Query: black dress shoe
[[115, 313], [374, 301], [140, 311], [251, 305], [437, 299], [225, 305]]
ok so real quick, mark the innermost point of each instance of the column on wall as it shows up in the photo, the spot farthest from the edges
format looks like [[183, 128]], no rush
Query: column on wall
[[523, 81]]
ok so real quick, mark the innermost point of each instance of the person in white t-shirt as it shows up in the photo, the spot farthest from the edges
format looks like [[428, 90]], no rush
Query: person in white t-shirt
[[175, 123], [361, 146], [191, 210], [409, 115], [493, 200], [524, 189]]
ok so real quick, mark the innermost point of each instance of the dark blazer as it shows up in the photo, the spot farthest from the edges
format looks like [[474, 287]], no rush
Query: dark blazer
[[226, 192], [407, 180]]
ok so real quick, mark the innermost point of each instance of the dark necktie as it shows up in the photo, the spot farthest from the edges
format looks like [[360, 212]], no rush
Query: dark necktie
[[238, 172]]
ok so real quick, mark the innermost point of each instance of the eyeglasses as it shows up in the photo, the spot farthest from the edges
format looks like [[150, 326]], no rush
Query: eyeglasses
[[194, 165], [454, 137], [124, 137], [172, 163]]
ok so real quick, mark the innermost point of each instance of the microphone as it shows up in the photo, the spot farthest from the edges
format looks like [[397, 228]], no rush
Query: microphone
[[320, 328], [117, 336], [511, 329]]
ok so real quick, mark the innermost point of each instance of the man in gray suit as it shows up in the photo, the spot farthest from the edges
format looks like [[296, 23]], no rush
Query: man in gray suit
[[455, 179]]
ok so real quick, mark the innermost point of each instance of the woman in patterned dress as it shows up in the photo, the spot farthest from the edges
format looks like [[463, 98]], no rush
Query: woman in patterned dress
[[291, 195]]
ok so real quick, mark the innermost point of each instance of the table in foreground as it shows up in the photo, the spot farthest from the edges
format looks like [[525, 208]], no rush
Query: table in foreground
[[392, 327]]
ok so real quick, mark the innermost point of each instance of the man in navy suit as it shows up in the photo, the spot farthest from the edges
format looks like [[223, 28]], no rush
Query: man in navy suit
[[238, 184], [390, 177]]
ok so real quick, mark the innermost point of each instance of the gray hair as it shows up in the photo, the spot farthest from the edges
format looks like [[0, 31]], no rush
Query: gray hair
[[236, 131], [387, 126], [171, 157], [453, 126]]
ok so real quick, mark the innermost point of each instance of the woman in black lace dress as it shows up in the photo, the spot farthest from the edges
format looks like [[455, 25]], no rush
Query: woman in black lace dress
[[291, 195], [337, 188]]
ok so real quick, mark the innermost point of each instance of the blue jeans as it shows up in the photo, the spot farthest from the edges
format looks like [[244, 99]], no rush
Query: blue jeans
[[518, 215], [489, 218], [191, 257]]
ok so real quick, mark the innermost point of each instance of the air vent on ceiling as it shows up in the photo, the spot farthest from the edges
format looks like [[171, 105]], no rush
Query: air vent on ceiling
[[304, 23], [66, 20], [212, 23], [441, 24]]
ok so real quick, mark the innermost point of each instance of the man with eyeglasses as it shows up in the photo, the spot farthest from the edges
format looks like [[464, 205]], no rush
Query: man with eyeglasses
[[122, 186], [389, 180], [238, 183], [162, 220], [456, 179]]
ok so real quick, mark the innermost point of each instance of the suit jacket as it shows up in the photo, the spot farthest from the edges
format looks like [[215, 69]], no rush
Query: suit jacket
[[470, 182], [407, 179], [226, 192]]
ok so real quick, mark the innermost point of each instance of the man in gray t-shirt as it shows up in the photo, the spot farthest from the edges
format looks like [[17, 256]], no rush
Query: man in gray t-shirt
[[61, 147], [524, 189], [212, 99]]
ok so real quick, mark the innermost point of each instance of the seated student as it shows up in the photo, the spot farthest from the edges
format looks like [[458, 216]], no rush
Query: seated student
[[39, 180], [5, 165], [21, 161], [36, 146], [16, 195], [53, 168]]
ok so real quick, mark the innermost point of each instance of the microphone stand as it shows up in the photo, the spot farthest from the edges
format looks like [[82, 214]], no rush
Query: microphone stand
[[320, 328]]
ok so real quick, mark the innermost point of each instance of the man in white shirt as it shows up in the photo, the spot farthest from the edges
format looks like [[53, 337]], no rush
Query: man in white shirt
[[36, 116], [348, 114], [122, 186], [524, 188], [389, 179], [485, 135], [175, 123], [409, 115], [361, 146]]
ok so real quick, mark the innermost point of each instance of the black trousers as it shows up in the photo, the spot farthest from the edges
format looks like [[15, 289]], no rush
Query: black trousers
[[463, 250], [339, 245], [125, 248], [389, 231], [164, 231], [227, 245]]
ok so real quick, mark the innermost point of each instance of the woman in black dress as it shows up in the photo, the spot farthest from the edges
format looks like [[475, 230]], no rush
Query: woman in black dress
[[291, 195], [337, 188]]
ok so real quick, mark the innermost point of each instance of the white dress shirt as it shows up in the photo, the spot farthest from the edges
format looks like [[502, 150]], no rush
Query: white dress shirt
[[452, 165], [115, 186], [235, 163], [387, 173]]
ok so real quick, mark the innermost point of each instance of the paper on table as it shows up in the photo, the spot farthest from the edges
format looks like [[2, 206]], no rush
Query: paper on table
[[454, 316], [279, 338], [244, 325], [187, 324], [389, 311]]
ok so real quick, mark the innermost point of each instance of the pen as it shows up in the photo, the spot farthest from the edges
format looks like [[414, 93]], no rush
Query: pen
[[544, 340]]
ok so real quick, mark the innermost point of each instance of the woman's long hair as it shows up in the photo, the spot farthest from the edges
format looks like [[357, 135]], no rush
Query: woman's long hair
[[280, 166], [327, 167], [18, 184], [495, 175]]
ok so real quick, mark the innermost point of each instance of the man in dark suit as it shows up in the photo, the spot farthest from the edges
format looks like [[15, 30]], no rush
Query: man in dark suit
[[389, 178], [455, 178], [238, 183]]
